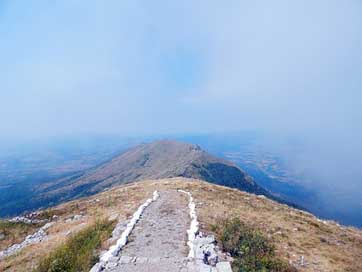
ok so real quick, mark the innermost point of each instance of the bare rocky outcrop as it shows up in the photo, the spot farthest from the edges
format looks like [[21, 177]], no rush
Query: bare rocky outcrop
[[23, 219], [29, 218]]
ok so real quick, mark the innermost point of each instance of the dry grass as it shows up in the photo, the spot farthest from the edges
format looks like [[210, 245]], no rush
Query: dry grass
[[80, 252], [325, 246], [117, 203], [14, 233]]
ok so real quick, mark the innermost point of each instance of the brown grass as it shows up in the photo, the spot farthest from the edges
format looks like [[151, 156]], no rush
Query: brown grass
[[81, 251], [126, 200], [14, 233], [325, 245]]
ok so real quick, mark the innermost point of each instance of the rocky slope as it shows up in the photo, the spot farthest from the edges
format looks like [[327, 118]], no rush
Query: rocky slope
[[304, 241]]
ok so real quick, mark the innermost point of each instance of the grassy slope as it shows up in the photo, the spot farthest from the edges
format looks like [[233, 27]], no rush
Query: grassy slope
[[80, 251], [14, 232], [325, 246]]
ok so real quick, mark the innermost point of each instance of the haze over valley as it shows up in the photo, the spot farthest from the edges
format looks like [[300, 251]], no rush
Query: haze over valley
[[189, 136], [267, 163]]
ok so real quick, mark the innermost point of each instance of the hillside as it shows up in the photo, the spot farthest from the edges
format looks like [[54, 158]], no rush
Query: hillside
[[299, 238], [160, 159]]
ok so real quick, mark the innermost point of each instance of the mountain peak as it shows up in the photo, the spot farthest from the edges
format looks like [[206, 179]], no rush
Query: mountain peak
[[155, 160]]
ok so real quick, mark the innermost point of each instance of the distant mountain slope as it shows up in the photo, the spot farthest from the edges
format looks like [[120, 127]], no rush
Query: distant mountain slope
[[156, 160], [161, 159]]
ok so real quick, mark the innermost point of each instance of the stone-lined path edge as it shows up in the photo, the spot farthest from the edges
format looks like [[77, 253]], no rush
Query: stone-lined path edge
[[122, 241]]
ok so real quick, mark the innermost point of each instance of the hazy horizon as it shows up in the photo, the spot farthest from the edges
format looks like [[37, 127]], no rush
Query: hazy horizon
[[286, 69]]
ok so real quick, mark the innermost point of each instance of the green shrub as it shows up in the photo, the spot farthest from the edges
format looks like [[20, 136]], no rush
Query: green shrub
[[251, 251], [79, 252]]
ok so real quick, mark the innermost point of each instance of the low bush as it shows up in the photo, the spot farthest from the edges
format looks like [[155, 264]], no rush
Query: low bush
[[79, 252], [251, 251]]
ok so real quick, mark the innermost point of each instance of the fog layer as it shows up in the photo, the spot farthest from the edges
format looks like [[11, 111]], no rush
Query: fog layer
[[286, 68]]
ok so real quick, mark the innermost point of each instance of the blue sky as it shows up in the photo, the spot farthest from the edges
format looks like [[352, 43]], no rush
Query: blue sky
[[71, 67], [155, 67]]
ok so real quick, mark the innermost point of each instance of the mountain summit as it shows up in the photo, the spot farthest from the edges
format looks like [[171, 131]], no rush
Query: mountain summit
[[156, 160]]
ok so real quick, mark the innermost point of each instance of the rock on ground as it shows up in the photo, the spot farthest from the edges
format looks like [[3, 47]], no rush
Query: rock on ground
[[159, 241]]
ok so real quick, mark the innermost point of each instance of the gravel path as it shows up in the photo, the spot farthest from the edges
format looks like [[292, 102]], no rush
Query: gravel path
[[158, 242]]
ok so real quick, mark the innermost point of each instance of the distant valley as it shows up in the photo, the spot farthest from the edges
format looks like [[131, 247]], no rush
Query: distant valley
[[54, 173], [160, 159], [267, 160]]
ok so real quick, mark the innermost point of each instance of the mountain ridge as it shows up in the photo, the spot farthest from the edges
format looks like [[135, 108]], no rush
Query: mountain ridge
[[155, 160]]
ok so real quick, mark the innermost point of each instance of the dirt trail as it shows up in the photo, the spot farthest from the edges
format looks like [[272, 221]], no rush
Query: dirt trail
[[158, 242]]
